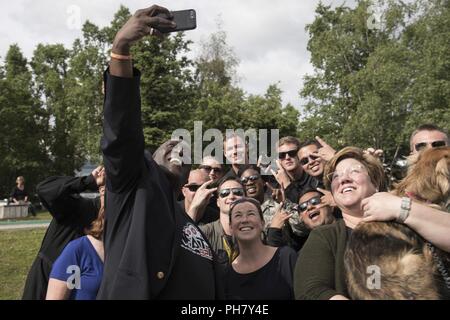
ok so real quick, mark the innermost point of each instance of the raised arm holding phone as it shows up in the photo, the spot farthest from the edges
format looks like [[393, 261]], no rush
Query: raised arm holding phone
[[153, 248]]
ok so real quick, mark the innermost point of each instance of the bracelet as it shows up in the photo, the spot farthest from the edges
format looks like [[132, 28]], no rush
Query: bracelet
[[120, 56], [404, 209]]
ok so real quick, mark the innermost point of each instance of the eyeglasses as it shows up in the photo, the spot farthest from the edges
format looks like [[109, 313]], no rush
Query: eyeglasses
[[290, 153], [236, 191], [434, 144], [352, 172], [192, 187], [305, 160], [314, 201], [255, 177], [209, 168]]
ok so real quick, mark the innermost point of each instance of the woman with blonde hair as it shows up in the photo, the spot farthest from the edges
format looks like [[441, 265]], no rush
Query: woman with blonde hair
[[352, 176]]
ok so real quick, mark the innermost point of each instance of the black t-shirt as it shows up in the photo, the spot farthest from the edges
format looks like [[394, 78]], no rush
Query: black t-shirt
[[296, 188], [192, 276], [152, 249], [210, 214], [18, 194], [274, 281]]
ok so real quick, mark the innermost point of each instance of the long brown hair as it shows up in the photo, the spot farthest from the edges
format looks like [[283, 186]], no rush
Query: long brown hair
[[96, 227]]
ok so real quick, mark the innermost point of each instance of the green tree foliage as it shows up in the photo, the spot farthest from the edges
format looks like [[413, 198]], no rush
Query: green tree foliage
[[372, 86], [24, 124], [50, 65], [221, 104]]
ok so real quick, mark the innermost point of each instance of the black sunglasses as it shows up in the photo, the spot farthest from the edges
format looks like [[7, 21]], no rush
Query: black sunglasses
[[255, 177], [192, 187], [305, 160], [291, 153], [434, 144], [314, 201], [209, 168], [236, 191]]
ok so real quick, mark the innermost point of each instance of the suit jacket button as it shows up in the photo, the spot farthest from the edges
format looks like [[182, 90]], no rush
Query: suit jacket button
[[160, 275]]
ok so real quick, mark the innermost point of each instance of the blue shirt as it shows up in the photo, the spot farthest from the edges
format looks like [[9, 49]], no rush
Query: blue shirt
[[79, 265]]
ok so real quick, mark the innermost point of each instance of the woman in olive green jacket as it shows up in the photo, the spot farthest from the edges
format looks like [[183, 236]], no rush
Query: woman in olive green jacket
[[352, 176]]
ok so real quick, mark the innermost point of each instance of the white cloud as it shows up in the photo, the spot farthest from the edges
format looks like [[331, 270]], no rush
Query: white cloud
[[268, 37]]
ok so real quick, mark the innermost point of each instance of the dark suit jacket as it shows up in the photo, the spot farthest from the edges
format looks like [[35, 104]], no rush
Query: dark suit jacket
[[142, 230]]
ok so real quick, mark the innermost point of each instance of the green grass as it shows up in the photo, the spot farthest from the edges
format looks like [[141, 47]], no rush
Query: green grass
[[18, 249], [43, 215]]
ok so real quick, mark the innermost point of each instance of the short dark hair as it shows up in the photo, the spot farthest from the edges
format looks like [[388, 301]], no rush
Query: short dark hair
[[246, 199], [427, 127], [246, 167], [228, 178], [310, 143]]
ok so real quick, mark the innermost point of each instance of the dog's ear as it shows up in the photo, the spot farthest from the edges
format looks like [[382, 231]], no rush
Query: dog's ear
[[442, 176]]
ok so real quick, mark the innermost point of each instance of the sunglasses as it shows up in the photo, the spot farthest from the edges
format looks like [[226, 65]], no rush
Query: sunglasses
[[236, 191], [305, 160], [434, 144], [314, 201], [209, 168], [255, 177], [290, 153], [192, 187]]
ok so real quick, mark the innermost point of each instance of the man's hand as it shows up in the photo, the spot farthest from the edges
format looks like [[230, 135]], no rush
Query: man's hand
[[99, 175], [327, 198], [139, 26], [376, 153], [200, 201], [144, 22], [282, 176], [279, 218], [277, 193], [326, 152]]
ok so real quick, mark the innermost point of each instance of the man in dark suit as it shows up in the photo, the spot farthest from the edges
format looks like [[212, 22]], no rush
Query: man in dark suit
[[153, 249]]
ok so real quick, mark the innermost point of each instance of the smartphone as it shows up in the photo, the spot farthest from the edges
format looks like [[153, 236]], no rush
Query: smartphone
[[185, 20]]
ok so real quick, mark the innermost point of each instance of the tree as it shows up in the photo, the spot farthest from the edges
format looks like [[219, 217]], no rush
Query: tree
[[370, 87], [223, 105], [50, 65], [23, 127]]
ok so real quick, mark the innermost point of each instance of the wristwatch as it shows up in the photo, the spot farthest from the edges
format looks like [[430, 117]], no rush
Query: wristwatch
[[405, 208]]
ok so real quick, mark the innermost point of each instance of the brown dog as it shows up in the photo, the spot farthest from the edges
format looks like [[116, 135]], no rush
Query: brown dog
[[398, 256], [428, 178], [407, 266]]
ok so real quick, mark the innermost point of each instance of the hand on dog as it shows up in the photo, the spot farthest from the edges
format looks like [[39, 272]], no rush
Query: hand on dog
[[382, 206]]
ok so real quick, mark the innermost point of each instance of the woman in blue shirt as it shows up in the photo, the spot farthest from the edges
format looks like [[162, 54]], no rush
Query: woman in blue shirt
[[78, 271]]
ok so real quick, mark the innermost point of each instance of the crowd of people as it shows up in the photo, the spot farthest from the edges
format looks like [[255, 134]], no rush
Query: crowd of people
[[163, 229]]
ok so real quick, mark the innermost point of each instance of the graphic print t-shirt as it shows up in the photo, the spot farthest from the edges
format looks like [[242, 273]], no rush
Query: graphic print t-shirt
[[194, 261]]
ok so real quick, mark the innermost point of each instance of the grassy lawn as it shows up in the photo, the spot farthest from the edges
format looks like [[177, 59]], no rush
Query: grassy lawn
[[43, 215], [17, 251]]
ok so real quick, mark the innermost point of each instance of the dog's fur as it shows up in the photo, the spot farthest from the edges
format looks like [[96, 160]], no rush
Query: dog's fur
[[428, 177], [408, 269]]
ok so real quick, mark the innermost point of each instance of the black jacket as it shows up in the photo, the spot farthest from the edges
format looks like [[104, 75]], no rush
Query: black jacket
[[71, 214], [296, 187], [144, 237]]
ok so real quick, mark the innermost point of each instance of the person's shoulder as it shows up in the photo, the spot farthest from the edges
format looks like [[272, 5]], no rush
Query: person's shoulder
[[77, 244], [209, 227], [286, 251]]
